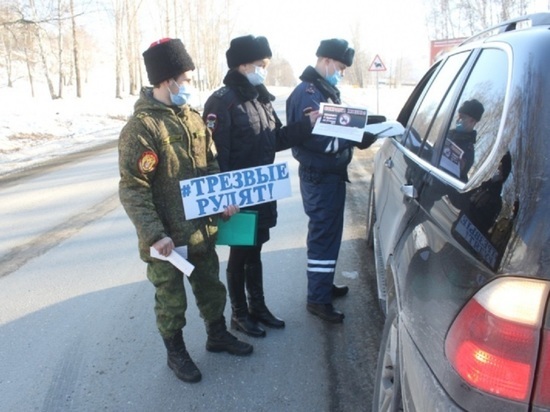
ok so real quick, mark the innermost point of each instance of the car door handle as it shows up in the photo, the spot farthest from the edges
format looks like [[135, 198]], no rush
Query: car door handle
[[388, 163], [409, 191]]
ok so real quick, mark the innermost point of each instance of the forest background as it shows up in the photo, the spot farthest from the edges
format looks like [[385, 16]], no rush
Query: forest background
[[87, 46], [70, 70]]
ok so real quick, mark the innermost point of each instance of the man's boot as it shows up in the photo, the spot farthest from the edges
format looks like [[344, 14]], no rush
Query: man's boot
[[180, 361], [339, 291], [220, 340], [240, 318], [255, 288]]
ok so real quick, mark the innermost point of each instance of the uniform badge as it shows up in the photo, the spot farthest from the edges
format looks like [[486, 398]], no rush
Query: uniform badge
[[211, 121], [148, 162]]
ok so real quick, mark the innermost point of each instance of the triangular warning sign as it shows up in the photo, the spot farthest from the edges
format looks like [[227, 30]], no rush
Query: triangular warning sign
[[377, 65]]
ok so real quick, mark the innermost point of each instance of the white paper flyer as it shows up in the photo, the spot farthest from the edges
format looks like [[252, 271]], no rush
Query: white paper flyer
[[176, 258]]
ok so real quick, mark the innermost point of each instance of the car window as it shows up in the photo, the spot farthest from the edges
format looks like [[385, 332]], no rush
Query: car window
[[473, 130], [429, 106]]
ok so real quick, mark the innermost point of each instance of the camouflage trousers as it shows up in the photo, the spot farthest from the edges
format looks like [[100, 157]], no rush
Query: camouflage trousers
[[170, 295]]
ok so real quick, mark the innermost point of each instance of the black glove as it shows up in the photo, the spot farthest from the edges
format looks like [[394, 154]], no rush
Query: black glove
[[366, 141]]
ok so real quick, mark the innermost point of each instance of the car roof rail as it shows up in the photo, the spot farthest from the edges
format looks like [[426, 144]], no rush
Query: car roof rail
[[529, 20]]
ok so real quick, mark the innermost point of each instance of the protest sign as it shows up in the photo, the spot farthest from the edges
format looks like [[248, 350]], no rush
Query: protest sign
[[341, 121], [208, 195]]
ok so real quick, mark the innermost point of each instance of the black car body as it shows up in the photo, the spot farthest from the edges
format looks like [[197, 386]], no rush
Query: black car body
[[463, 250]]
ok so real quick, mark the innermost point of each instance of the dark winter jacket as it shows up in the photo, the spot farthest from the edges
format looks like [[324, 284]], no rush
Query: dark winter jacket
[[321, 154], [158, 147], [247, 131], [466, 142]]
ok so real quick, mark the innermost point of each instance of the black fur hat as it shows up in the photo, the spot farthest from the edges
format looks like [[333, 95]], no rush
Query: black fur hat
[[166, 58], [472, 108], [247, 49], [336, 49]]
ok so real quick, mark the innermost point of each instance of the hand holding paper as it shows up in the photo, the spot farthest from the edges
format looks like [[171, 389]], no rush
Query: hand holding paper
[[176, 258]]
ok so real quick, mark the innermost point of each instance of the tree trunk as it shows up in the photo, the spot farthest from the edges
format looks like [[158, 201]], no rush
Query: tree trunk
[[75, 53], [59, 51]]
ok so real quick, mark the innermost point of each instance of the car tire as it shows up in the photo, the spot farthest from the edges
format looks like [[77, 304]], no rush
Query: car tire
[[387, 386], [371, 215]]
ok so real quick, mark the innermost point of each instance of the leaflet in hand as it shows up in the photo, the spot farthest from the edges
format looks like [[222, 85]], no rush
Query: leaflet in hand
[[176, 258], [341, 121]]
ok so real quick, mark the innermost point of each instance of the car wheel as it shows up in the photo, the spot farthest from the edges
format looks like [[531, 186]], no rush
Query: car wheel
[[371, 216], [387, 387]]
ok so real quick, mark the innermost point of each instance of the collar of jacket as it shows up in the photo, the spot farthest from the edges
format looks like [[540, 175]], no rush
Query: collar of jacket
[[464, 137], [244, 89], [327, 90]]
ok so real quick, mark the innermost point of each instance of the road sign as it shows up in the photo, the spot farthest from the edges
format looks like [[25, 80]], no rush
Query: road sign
[[377, 65]]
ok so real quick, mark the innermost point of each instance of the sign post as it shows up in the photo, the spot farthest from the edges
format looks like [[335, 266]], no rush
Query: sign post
[[377, 66]]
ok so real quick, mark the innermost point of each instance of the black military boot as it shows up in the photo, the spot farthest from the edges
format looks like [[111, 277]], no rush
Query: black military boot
[[255, 288], [180, 361], [240, 318], [220, 340]]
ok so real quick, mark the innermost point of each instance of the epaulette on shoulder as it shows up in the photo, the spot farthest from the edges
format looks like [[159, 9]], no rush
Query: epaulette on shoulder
[[221, 92], [142, 115]]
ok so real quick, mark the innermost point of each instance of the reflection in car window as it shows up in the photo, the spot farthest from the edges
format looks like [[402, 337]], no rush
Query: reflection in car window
[[431, 101], [477, 116]]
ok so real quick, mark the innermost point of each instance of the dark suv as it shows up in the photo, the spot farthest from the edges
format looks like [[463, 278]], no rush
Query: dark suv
[[459, 218]]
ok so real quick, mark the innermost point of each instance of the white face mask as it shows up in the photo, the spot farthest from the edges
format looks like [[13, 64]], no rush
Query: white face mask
[[182, 96], [335, 77], [258, 76]]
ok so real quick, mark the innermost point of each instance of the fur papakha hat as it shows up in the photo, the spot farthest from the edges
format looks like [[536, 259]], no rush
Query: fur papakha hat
[[472, 108], [336, 49], [165, 59], [247, 49]]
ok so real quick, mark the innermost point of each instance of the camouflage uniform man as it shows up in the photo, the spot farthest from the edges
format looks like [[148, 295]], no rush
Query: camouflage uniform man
[[166, 141]]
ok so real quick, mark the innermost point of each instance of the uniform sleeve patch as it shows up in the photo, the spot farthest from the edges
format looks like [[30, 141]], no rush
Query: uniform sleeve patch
[[148, 162], [211, 121]]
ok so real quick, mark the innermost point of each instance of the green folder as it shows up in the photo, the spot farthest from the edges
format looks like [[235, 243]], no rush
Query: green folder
[[239, 230]]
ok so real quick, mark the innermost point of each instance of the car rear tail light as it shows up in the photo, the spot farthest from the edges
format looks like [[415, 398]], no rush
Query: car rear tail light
[[542, 385], [493, 343]]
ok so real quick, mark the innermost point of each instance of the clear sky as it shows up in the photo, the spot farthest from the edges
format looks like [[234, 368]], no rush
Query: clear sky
[[391, 29], [294, 28]]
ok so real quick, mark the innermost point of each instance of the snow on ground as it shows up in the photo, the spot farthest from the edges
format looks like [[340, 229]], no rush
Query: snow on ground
[[35, 130]]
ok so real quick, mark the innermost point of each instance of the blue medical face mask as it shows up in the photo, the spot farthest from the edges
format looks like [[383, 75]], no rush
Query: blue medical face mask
[[335, 77], [460, 126], [182, 96], [258, 76]]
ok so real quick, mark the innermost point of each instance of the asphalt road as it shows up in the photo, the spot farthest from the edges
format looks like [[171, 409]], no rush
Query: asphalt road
[[77, 329]]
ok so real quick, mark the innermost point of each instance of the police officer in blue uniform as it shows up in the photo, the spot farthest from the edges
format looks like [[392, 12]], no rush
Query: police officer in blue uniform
[[323, 175]]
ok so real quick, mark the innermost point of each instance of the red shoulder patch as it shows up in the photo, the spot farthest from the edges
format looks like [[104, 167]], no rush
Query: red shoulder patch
[[148, 162]]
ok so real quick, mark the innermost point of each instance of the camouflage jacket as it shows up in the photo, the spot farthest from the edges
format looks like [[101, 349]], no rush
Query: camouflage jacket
[[158, 147]]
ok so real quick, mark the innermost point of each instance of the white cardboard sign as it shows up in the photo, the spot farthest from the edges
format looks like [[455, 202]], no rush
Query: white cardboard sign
[[208, 195]]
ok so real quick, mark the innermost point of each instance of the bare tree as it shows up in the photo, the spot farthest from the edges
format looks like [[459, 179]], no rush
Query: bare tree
[[449, 19], [75, 51], [119, 13], [281, 73], [8, 41]]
